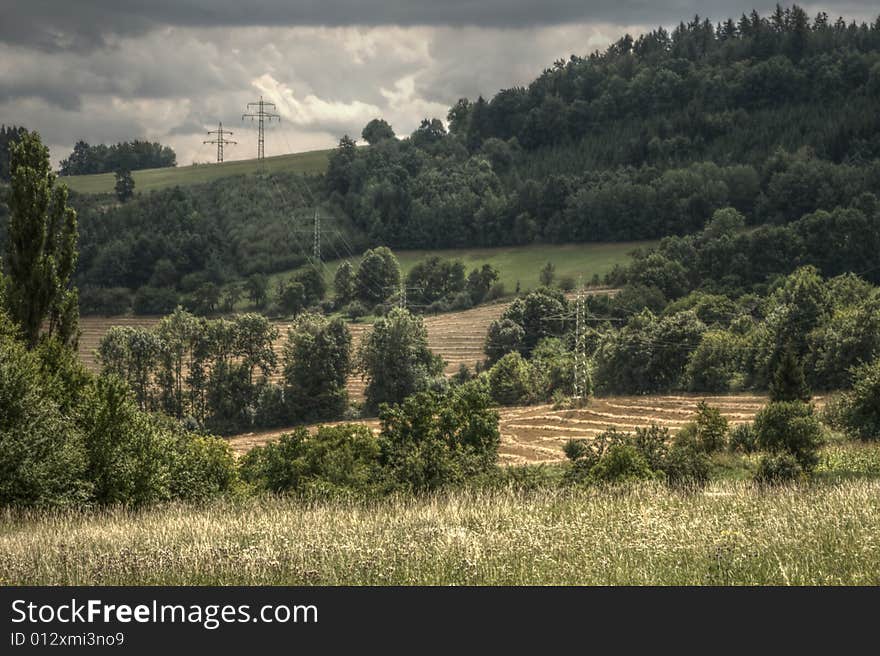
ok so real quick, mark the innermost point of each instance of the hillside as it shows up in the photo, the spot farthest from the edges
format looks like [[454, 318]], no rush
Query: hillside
[[311, 162]]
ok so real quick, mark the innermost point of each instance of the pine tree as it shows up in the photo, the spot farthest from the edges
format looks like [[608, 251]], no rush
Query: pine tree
[[789, 383], [41, 247]]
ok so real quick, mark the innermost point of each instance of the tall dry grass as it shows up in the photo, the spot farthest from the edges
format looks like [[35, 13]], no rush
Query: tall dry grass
[[730, 533]]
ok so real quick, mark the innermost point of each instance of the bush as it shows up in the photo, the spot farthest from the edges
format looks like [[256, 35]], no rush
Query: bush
[[653, 444], [686, 465], [152, 300], [510, 380], [42, 454], [355, 310], [277, 466], [790, 427], [496, 291], [858, 411], [200, 467], [621, 463], [504, 336], [710, 429], [743, 439], [429, 441], [335, 460], [105, 301], [778, 469]]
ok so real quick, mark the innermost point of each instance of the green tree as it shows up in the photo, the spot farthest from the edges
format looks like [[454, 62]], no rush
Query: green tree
[[429, 441], [504, 336], [317, 361], [860, 408], [395, 359], [790, 427], [41, 247], [291, 297], [548, 274], [344, 283], [124, 185], [314, 285], [378, 275], [377, 130], [510, 380], [257, 287], [789, 383]]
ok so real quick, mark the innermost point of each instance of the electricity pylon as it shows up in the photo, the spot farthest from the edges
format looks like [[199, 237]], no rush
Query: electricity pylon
[[262, 114], [221, 141]]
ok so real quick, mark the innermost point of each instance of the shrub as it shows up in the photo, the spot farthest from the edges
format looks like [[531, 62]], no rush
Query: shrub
[[429, 441], [553, 369], [504, 336], [686, 465], [510, 380], [567, 283], [653, 444], [355, 310], [42, 454], [743, 439], [496, 291], [711, 428], [105, 301], [152, 300], [277, 466], [858, 411], [790, 427], [200, 467], [777, 469], [621, 463], [126, 449]]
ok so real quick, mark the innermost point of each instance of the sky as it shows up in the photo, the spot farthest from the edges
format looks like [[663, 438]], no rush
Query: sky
[[169, 70]]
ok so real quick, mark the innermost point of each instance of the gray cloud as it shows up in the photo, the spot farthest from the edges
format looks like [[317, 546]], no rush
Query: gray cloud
[[90, 24]]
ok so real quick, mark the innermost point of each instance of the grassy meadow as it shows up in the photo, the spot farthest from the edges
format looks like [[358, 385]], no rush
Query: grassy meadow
[[732, 532], [149, 179], [521, 264]]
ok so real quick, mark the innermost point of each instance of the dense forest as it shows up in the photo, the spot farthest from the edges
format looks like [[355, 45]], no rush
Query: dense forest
[[124, 156]]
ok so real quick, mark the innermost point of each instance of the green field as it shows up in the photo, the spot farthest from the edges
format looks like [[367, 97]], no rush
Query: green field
[[520, 263], [149, 179]]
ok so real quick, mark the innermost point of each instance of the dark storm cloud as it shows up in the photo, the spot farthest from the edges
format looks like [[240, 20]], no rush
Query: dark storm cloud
[[88, 24]]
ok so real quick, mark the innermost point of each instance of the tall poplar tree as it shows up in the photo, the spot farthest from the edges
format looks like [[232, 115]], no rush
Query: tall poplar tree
[[41, 247]]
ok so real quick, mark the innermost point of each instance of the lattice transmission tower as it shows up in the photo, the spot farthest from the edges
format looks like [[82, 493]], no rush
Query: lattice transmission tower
[[220, 141], [262, 111], [581, 372]]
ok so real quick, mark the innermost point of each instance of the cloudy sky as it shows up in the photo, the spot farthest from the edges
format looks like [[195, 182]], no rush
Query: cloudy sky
[[168, 70]]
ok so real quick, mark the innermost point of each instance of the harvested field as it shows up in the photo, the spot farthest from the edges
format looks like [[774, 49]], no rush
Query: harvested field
[[535, 434]]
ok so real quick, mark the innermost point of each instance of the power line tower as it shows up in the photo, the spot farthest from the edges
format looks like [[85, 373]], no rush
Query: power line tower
[[402, 298], [221, 141], [316, 248], [264, 111], [581, 373]]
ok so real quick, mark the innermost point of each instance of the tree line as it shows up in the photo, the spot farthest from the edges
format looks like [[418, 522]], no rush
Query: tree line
[[123, 156]]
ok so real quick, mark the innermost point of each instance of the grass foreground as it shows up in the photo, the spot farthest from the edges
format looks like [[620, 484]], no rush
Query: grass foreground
[[314, 161], [729, 533]]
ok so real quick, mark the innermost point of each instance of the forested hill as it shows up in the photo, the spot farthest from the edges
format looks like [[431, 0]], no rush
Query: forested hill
[[775, 116]]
